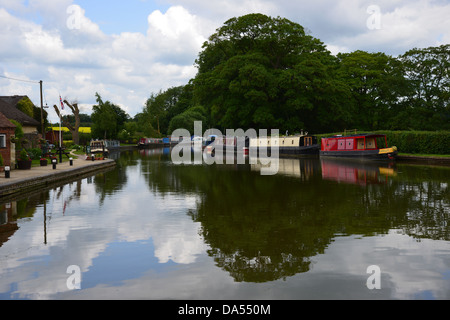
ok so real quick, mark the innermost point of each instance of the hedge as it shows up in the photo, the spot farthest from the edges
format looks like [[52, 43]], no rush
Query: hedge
[[415, 142], [420, 142]]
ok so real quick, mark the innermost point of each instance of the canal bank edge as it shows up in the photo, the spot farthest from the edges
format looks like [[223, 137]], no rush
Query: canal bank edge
[[32, 181], [424, 159]]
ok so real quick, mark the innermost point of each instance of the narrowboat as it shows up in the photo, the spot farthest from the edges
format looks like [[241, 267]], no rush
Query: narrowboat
[[291, 145], [96, 147], [227, 144], [358, 146], [150, 143]]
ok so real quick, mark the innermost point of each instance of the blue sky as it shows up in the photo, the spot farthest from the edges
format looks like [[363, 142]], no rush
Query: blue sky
[[127, 50], [116, 16]]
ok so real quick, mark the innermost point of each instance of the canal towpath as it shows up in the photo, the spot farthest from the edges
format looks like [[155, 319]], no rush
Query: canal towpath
[[22, 181]]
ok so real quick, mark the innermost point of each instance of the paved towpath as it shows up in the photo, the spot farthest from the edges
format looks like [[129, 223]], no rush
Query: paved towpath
[[21, 180]]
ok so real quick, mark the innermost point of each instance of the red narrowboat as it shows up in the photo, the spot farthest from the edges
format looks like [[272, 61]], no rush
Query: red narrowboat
[[358, 146]]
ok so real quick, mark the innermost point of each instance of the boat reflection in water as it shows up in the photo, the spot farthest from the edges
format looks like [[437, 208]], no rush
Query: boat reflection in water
[[303, 168], [356, 172], [338, 170]]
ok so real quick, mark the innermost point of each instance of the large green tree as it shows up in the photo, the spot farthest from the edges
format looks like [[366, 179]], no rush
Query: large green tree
[[26, 106], [107, 119], [428, 71], [262, 72], [160, 108], [377, 86]]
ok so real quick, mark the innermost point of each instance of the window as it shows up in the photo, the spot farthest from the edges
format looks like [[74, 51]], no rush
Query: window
[[370, 143], [349, 144], [2, 141], [360, 143]]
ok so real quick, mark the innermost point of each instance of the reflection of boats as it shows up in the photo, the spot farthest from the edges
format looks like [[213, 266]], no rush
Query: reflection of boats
[[351, 172], [358, 146], [303, 168], [302, 144]]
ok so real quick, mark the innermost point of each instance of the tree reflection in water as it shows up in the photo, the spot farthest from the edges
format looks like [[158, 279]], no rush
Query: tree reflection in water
[[263, 228]]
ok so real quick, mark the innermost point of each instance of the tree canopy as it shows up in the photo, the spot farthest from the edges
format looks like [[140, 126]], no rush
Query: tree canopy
[[263, 72], [258, 72], [108, 119]]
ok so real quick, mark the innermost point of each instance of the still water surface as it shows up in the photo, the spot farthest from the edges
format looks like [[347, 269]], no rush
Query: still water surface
[[150, 229]]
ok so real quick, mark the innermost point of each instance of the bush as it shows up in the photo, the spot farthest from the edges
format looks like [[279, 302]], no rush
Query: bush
[[24, 155], [68, 144], [85, 138], [35, 153], [420, 142]]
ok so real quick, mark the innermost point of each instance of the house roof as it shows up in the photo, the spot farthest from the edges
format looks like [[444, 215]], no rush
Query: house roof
[[4, 122], [8, 108]]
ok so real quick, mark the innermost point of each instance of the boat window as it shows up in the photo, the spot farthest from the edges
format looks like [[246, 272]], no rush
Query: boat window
[[370, 143], [360, 143], [349, 144]]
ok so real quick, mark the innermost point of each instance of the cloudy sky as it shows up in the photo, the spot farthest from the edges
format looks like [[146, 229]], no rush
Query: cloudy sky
[[126, 50]]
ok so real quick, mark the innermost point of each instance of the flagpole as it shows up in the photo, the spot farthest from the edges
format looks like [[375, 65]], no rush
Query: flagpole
[[60, 129], [60, 120], [60, 136]]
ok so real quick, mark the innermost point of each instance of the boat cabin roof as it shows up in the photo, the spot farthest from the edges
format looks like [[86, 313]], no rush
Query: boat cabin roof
[[371, 135]]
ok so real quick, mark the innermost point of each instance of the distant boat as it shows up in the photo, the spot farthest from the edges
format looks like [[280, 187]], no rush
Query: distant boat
[[149, 143], [358, 146], [97, 147], [197, 142]]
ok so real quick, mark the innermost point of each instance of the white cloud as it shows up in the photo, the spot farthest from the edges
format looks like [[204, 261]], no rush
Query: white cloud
[[75, 59], [404, 25], [176, 36]]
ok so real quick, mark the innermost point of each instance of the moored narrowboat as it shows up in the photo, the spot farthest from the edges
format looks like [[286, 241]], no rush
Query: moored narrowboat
[[227, 144], [358, 146], [145, 143], [290, 145]]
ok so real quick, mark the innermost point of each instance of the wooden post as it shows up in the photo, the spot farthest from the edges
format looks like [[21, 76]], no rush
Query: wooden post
[[42, 114]]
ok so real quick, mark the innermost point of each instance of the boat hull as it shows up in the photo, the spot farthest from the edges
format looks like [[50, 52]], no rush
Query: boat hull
[[307, 150], [378, 154], [290, 151]]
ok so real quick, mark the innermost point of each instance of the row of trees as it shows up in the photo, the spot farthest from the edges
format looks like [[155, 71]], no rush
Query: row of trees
[[262, 72]]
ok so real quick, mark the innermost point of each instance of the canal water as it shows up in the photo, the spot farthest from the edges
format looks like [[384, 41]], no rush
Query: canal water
[[152, 229]]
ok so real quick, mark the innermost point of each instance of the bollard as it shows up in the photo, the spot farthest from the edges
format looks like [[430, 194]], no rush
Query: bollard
[[7, 172], [93, 157], [54, 161], [71, 161]]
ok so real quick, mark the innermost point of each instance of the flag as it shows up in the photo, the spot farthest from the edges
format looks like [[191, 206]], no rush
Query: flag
[[62, 104]]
